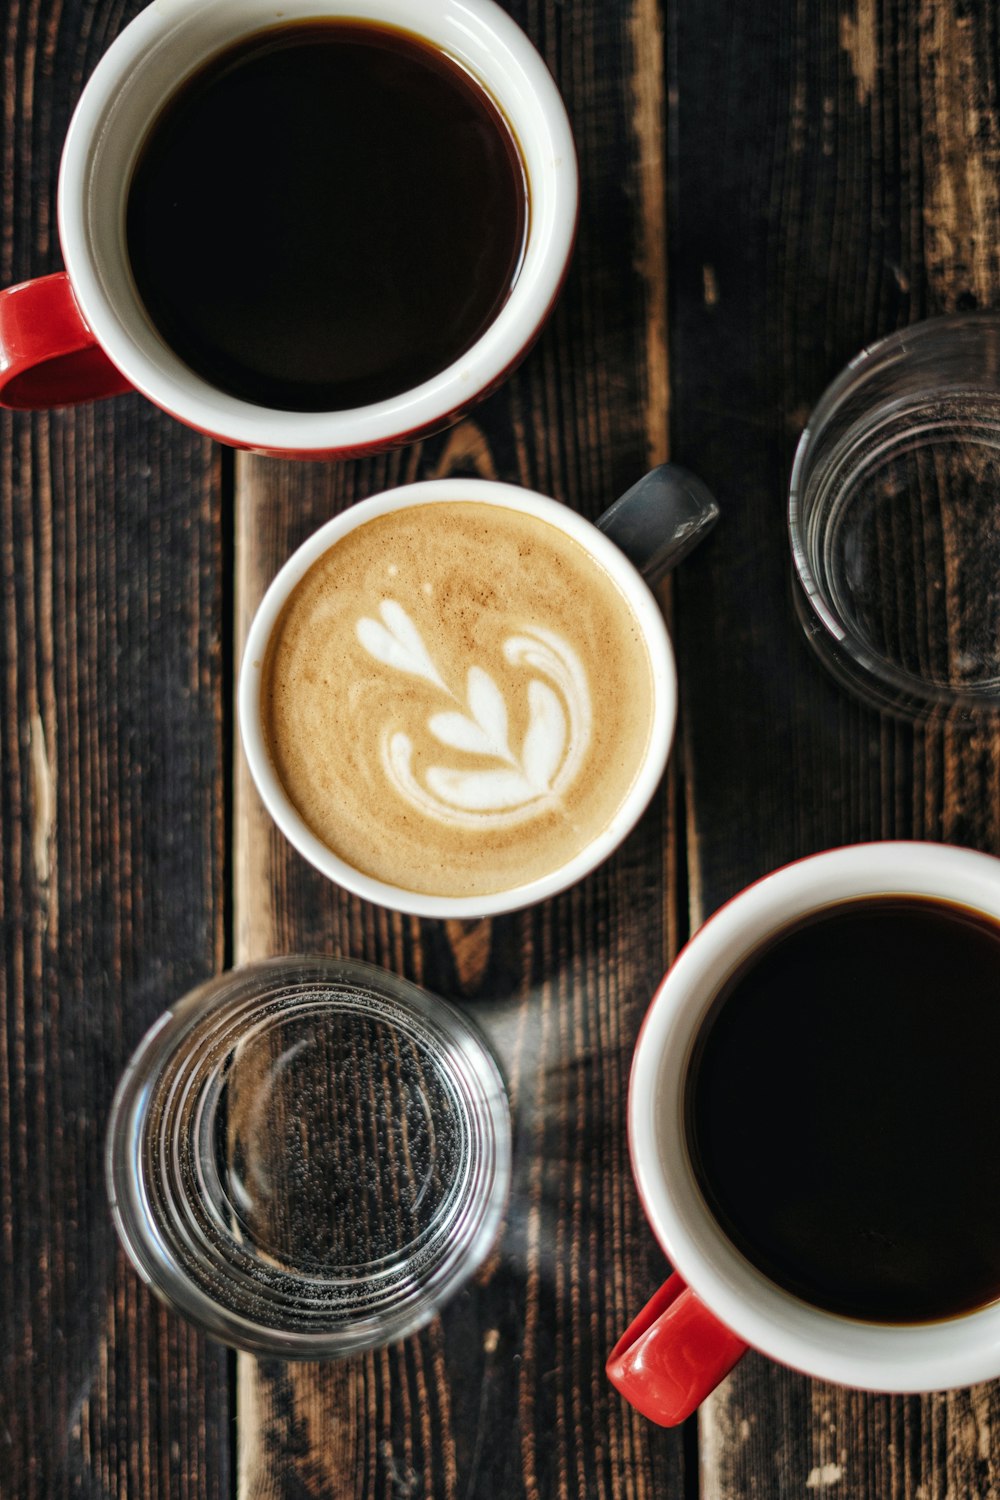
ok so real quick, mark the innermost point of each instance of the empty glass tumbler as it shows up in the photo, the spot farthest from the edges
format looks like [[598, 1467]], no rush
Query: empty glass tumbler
[[894, 519], [308, 1156]]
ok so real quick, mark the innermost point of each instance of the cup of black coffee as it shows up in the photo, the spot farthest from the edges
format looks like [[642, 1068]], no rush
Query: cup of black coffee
[[315, 231], [814, 1125]]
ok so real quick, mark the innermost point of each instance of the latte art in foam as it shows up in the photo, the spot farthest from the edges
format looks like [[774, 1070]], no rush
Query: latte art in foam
[[457, 698], [519, 784]]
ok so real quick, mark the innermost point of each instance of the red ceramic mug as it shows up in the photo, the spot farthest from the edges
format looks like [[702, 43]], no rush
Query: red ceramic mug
[[84, 333], [716, 1304]]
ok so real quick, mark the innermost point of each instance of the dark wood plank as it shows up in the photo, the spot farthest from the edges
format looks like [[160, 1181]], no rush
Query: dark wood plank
[[112, 857], [834, 176], [505, 1395]]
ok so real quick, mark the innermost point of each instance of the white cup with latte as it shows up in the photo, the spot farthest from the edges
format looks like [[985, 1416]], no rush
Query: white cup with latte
[[458, 697]]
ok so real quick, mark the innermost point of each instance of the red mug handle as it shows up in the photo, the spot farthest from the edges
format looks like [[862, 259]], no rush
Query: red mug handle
[[48, 355], [673, 1355]]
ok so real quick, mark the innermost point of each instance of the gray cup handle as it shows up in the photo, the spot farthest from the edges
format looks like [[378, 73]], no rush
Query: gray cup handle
[[660, 519]]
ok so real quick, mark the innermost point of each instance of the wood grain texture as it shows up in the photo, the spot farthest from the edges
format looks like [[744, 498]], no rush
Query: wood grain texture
[[112, 855], [834, 177], [504, 1395], [832, 173]]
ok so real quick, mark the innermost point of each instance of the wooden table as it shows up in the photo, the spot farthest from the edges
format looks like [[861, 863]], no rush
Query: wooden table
[[766, 187]]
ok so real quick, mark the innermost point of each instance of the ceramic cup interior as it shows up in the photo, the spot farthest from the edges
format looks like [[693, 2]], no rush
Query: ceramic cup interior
[[929, 1356], [145, 66], [664, 701]]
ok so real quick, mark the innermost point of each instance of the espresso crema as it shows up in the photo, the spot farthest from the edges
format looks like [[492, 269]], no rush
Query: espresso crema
[[457, 698]]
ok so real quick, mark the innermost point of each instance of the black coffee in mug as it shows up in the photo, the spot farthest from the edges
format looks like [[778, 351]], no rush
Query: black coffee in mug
[[325, 215], [843, 1109]]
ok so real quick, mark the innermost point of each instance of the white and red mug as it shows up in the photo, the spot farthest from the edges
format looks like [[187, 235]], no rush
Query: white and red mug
[[83, 333], [716, 1304]]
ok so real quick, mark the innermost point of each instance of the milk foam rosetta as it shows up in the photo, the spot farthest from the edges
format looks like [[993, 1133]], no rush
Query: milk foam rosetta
[[457, 698]]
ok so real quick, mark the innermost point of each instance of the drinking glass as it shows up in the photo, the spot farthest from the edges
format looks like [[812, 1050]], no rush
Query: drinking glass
[[894, 519], [308, 1156]]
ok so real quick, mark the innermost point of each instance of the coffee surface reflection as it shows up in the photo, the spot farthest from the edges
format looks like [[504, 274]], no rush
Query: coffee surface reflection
[[843, 1116], [325, 215]]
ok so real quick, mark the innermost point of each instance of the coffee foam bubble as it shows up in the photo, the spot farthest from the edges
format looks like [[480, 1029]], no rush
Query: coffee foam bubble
[[457, 698]]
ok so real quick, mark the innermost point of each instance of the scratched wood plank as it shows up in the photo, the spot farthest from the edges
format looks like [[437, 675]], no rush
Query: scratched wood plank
[[835, 176], [504, 1395], [111, 857]]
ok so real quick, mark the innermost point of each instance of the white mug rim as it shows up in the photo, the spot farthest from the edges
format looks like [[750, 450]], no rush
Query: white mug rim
[[655, 636], [950, 1353], [517, 79]]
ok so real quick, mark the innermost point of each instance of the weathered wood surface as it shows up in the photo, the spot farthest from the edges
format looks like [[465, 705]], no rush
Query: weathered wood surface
[[841, 186], [505, 1394], [832, 173], [112, 857]]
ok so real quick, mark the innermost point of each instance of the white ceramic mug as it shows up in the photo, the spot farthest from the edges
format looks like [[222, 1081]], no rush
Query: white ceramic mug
[[717, 1304], [84, 333], [668, 504]]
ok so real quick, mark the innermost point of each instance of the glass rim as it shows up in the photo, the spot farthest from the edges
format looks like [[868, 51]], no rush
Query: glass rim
[[872, 677], [420, 1295]]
